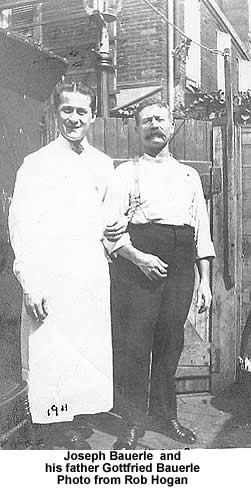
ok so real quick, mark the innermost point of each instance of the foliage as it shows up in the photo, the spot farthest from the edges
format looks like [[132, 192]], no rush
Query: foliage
[[210, 106], [206, 106]]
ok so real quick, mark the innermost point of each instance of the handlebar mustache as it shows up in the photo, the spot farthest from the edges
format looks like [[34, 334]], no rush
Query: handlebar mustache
[[72, 126], [156, 133]]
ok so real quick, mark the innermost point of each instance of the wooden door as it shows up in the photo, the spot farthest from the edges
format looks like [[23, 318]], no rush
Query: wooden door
[[192, 145]]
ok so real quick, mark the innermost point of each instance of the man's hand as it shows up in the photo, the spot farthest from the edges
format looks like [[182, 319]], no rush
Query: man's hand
[[152, 266], [36, 307], [114, 232], [204, 296]]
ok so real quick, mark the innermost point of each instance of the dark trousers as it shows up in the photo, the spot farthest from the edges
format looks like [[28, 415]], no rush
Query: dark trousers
[[148, 322]]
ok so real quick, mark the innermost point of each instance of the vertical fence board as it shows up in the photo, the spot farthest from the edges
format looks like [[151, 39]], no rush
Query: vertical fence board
[[99, 134], [122, 139], [223, 333], [90, 135], [201, 141], [190, 140], [111, 139], [209, 141], [177, 141], [133, 139], [239, 234]]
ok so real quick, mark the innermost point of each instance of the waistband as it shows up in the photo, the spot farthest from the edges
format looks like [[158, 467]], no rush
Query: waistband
[[161, 240], [153, 224], [174, 244]]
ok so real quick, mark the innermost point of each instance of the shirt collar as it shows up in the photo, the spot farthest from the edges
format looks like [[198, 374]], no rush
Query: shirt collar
[[164, 156], [64, 143]]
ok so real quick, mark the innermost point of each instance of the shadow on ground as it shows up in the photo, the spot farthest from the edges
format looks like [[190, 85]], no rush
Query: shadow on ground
[[236, 401]]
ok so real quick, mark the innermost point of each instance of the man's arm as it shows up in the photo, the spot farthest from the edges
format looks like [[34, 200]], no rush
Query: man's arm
[[204, 296], [115, 231], [115, 207], [152, 266], [204, 244], [204, 247], [36, 307], [22, 228]]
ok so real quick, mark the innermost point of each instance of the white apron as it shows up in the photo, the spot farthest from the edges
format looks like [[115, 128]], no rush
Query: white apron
[[56, 229]]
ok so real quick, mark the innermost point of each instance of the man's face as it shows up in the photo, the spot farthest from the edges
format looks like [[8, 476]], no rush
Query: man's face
[[155, 127], [74, 115]]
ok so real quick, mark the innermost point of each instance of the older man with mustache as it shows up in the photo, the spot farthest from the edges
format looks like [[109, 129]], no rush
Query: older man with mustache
[[153, 275]]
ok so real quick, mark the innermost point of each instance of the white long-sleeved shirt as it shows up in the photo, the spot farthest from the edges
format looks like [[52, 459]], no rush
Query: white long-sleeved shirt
[[57, 200], [170, 193]]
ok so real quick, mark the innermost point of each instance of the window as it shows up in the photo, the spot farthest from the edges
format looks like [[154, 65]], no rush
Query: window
[[5, 18], [223, 41], [23, 20], [192, 29]]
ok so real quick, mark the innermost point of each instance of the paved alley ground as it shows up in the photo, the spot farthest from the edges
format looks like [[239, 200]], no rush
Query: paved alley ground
[[222, 421]]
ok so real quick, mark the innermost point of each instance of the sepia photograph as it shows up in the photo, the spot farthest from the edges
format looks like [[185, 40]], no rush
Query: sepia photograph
[[125, 226]]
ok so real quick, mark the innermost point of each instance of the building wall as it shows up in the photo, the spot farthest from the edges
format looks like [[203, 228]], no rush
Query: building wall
[[142, 45], [209, 27], [141, 38], [239, 17], [208, 60], [179, 67], [71, 38]]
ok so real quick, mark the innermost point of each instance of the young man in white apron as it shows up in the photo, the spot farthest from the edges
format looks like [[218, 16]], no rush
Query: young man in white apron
[[56, 230]]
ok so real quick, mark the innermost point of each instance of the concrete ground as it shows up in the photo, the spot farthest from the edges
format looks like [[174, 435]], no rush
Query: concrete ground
[[222, 421]]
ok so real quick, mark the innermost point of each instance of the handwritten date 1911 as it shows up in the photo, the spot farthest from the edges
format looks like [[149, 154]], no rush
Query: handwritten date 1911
[[54, 409]]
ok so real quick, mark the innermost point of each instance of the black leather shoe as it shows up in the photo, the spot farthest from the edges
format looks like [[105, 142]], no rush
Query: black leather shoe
[[180, 433], [77, 436], [70, 437], [128, 439]]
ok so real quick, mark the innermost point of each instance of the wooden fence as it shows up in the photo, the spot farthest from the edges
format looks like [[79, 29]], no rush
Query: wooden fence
[[119, 139]]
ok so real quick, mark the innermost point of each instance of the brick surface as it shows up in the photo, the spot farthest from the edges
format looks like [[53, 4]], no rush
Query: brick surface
[[141, 42]]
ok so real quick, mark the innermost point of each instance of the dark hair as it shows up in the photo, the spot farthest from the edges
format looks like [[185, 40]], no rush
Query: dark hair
[[73, 86], [149, 102]]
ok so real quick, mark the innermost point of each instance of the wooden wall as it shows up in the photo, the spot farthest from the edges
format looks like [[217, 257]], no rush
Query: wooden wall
[[20, 134], [246, 262], [119, 138], [226, 304]]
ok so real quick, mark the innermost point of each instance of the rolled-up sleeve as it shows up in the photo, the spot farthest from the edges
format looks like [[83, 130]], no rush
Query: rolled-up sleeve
[[117, 202], [204, 244]]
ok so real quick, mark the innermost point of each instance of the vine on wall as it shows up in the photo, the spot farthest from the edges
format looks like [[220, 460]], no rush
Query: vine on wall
[[206, 107]]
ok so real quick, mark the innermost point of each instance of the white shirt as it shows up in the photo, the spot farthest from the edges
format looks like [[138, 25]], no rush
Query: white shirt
[[58, 196], [170, 193]]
